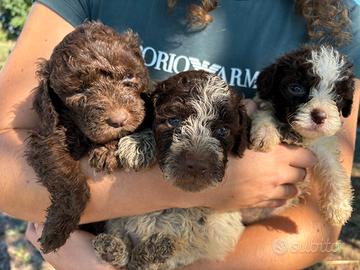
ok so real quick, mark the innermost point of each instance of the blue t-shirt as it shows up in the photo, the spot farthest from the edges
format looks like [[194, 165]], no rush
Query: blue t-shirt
[[245, 36]]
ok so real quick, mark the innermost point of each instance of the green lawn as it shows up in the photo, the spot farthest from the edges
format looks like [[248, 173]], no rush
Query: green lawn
[[5, 47]]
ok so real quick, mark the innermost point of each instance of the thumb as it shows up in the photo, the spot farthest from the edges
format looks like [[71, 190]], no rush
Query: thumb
[[38, 228]]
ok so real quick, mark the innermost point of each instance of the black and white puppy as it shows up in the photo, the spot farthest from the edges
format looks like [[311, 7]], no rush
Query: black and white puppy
[[301, 98]]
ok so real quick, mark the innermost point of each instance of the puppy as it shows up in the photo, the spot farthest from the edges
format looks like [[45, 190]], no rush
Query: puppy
[[199, 121], [88, 97], [301, 98]]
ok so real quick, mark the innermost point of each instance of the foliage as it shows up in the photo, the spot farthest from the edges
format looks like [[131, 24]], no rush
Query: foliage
[[5, 48], [3, 35], [13, 15]]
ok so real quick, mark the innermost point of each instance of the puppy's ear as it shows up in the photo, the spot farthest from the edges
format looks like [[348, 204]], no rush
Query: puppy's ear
[[348, 90], [345, 89], [131, 39], [158, 92], [43, 102], [265, 81], [242, 138]]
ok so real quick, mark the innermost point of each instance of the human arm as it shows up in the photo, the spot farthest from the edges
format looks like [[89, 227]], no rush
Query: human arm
[[77, 253]]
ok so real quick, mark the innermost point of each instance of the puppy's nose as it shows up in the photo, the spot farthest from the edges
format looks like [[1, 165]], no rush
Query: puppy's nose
[[318, 116], [194, 164], [118, 119]]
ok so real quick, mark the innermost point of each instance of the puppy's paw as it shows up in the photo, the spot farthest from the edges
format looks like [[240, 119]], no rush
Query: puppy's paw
[[51, 240], [290, 137], [103, 158], [137, 151], [111, 249], [338, 214], [155, 250], [264, 137]]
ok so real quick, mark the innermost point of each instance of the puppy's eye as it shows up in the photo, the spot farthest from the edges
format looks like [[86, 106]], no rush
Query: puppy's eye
[[98, 109], [128, 76], [222, 132], [106, 73], [296, 89], [174, 122]]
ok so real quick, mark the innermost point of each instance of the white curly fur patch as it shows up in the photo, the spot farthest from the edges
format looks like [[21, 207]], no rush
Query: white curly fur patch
[[137, 151]]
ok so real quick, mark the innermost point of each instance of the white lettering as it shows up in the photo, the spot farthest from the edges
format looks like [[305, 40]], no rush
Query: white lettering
[[250, 82], [172, 63], [195, 62], [222, 74], [154, 56], [162, 58], [235, 76], [176, 64]]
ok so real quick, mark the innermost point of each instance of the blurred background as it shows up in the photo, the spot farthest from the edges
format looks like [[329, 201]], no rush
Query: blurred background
[[16, 253]]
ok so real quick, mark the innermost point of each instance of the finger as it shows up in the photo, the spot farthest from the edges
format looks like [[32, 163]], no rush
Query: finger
[[30, 230], [38, 228], [31, 235], [285, 192], [291, 175], [271, 203], [299, 157]]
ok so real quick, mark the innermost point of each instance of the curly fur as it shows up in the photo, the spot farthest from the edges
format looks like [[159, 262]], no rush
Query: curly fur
[[300, 98], [327, 20], [137, 151], [88, 97], [173, 238]]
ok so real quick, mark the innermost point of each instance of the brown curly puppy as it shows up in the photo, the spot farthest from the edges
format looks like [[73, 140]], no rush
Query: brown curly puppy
[[199, 121], [88, 97]]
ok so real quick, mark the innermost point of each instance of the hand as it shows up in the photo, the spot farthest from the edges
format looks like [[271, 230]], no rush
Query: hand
[[259, 179], [77, 253]]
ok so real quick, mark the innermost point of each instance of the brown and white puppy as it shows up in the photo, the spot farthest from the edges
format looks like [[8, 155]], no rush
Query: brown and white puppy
[[88, 97], [199, 121], [301, 98]]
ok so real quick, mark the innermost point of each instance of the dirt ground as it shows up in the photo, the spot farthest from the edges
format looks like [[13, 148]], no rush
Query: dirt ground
[[17, 254]]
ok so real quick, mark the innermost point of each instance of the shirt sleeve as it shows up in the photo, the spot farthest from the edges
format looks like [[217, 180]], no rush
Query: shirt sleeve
[[73, 11], [352, 49]]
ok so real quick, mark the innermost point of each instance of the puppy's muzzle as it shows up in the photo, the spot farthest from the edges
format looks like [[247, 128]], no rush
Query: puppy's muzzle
[[196, 171], [118, 118], [194, 165], [318, 116]]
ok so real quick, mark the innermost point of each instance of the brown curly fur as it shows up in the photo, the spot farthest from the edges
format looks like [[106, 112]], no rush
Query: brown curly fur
[[175, 99], [327, 20], [91, 75]]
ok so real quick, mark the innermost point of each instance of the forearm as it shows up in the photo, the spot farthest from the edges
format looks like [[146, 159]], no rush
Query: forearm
[[297, 238], [347, 134], [120, 194], [42, 31], [124, 194]]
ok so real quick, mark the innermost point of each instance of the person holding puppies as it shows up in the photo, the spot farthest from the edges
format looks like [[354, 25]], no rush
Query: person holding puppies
[[177, 36]]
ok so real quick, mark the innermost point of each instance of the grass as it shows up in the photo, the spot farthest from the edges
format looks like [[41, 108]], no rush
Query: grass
[[5, 48]]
